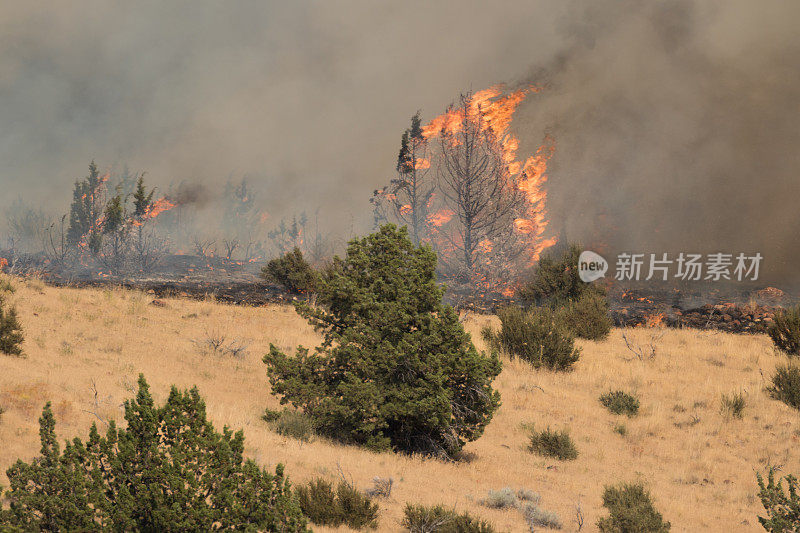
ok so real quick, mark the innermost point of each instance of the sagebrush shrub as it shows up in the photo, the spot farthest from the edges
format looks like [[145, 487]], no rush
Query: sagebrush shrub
[[292, 271], [783, 510], [396, 368], [630, 510], [556, 444], [587, 317], [620, 403], [346, 505], [537, 337], [438, 519], [11, 335], [505, 498], [786, 385], [168, 470], [785, 330], [537, 517]]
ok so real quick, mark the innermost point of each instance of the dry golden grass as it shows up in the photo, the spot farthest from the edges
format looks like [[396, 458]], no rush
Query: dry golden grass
[[85, 349]]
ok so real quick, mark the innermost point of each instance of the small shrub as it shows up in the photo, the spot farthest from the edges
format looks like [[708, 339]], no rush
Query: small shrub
[[786, 385], [733, 406], [7, 286], [10, 330], [620, 403], [505, 498], [326, 507], [537, 337], [437, 519], [291, 271], [527, 495], [536, 517], [785, 330], [556, 444], [783, 511], [556, 279], [586, 317], [630, 509], [290, 423], [621, 430], [381, 487]]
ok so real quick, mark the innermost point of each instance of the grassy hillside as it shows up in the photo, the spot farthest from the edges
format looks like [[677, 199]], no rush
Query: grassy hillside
[[85, 349]]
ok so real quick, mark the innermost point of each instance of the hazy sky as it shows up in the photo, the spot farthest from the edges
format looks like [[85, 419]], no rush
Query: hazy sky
[[675, 122]]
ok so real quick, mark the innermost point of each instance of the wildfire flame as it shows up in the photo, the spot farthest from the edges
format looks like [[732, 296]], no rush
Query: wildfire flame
[[494, 111], [158, 207]]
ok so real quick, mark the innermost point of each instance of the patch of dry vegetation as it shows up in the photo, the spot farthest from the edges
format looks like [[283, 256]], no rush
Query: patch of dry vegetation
[[85, 349]]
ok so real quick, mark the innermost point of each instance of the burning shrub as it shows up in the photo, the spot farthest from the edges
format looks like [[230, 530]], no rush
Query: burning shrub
[[396, 368], [346, 505], [786, 385], [783, 511], [438, 519], [556, 444], [293, 272], [169, 470], [631, 509], [537, 337], [587, 317], [785, 330], [10, 330]]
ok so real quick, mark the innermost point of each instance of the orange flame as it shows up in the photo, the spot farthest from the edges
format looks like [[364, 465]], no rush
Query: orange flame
[[495, 112], [158, 207], [441, 217]]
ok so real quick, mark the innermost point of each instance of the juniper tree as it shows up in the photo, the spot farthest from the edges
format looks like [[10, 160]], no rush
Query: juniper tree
[[168, 470], [395, 368], [407, 198], [10, 330], [86, 210]]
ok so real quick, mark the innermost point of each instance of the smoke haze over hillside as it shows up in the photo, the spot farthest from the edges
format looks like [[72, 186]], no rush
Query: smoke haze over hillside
[[675, 122]]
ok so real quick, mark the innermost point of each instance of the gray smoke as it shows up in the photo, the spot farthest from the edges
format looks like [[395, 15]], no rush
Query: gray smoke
[[675, 122]]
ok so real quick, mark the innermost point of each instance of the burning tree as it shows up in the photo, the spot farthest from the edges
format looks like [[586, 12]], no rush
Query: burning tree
[[88, 204], [408, 196], [484, 212]]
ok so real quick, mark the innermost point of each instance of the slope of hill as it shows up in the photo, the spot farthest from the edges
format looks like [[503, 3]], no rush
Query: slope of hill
[[85, 348]]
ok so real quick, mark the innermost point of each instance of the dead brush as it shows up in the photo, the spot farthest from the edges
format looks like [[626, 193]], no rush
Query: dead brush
[[381, 487], [218, 344]]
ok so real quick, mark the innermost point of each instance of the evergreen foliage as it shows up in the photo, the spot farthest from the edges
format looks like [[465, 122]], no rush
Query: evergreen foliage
[[631, 510], [439, 519], [537, 337], [169, 470], [325, 506], [786, 385], [11, 335], [396, 368], [783, 510], [292, 271], [620, 403], [785, 330]]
